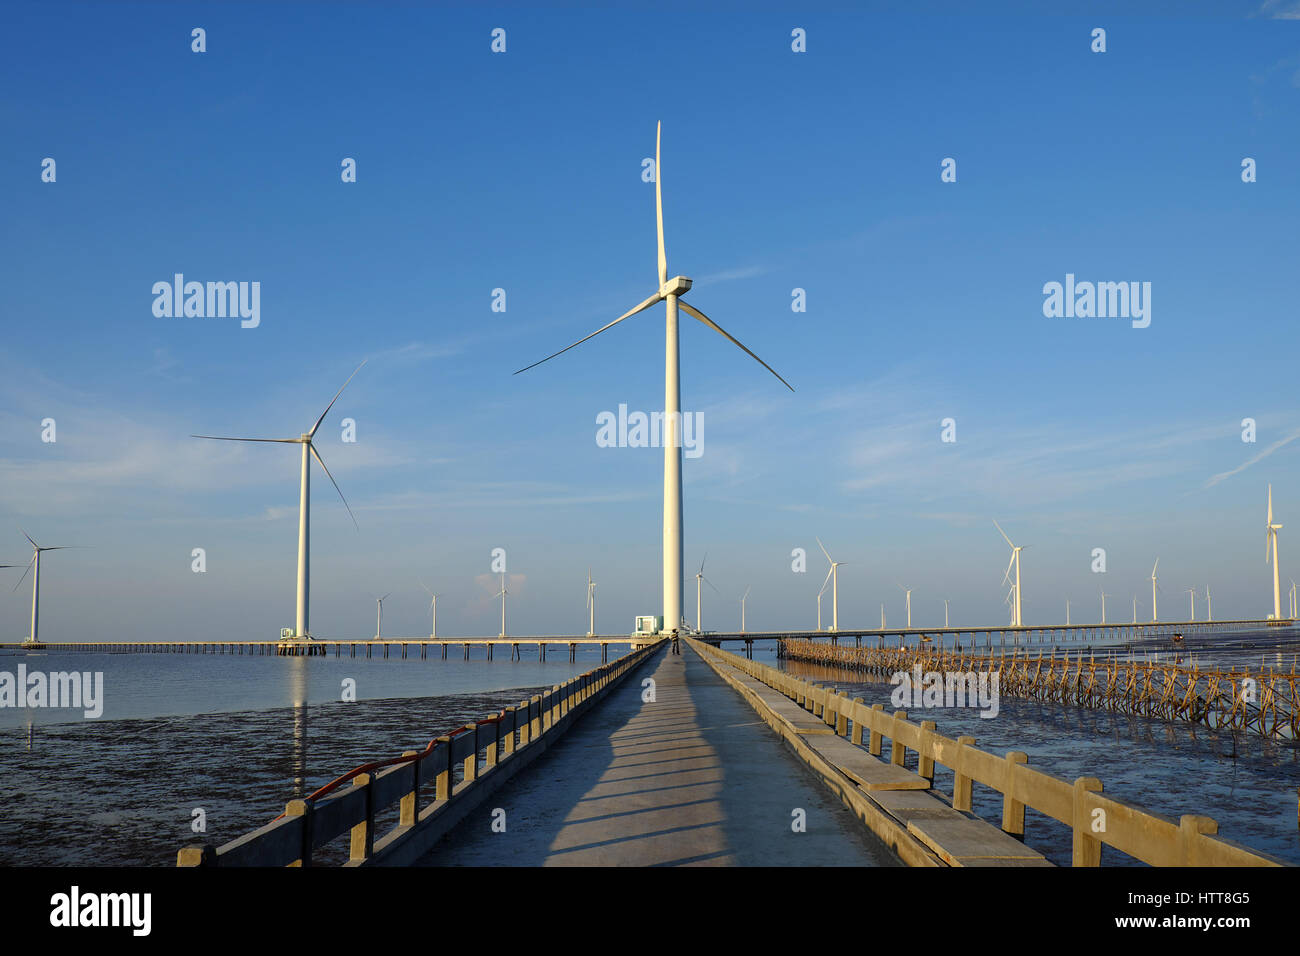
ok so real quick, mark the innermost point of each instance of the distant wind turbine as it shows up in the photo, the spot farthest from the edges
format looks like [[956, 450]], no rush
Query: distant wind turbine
[[833, 575], [1067, 612], [699, 577], [1192, 593], [1104, 595], [1293, 600], [908, 593], [1155, 613], [304, 502], [670, 292], [945, 613], [591, 605], [1016, 618], [502, 595], [1135, 609], [433, 606], [379, 615], [1270, 537], [742, 610], [1209, 608], [35, 567]]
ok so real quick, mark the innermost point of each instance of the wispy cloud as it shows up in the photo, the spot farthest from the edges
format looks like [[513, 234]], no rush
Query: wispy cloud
[[1253, 460]]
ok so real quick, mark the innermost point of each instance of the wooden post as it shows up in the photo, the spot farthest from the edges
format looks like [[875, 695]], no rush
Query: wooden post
[[925, 756], [1190, 828], [897, 752], [961, 786], [508, 741], [841, 718], [301, 808], [857, 724], [535, 715], [205, 855], [471, 762], [442, 782], [1013, 811], [363, 834], [1087, 848], [877, 738], [410, 802]]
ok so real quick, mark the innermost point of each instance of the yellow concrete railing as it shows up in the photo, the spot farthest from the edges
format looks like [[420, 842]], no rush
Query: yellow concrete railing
[[1095, 820], [505, 744]]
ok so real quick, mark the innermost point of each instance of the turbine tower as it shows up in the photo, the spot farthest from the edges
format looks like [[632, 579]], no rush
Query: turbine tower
[[908, 593], [699, 576], [35, 567], [833, 575], [670, 292], [1192, 592], [301, 631], [1270, 537], [433, 607], [591, 605], [379, 615], [1135, 609], [1155, 614], [1016, 618], [502, 595], [1104, 595], [945, 613], [1067, 612], [1209, 607], [742, 609]]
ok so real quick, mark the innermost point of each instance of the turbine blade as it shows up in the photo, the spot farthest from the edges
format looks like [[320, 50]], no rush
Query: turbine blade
[[644, 305], [1003, 533], [1006, 576], [706, 557], [288, 441], [29, 538], [312, 433], [1153, 568], [709, 583], [691, 310], [659, 207], [321, 461], [826, 582], [24, 577], [824, 551]]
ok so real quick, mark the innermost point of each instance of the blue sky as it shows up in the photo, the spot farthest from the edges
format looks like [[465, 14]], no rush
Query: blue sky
[[522, 171]]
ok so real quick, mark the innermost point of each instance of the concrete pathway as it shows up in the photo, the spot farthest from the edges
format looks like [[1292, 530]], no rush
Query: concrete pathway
[[692, 778]]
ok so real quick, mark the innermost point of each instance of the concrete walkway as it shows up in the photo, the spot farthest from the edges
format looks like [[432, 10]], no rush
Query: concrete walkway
[[692, 778]]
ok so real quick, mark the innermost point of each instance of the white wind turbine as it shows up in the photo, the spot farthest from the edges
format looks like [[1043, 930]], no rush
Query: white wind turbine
[[433, 607], [35, 567], [882, 615], [1067, 612], [833, 575], [742, 609], [1016, 618], [379, 615], [304, 501], [945, 613], [502, 595], [908, 593], [699, 577], [1270, 537], [1209, 607], [1293, 600], [670, 292], [1135, 609], [1192, 593], [1155, 613], [1104, 595], [819, 605], [591, 606]]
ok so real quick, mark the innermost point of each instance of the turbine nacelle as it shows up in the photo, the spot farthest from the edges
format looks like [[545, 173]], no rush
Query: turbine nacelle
[[677, 285]]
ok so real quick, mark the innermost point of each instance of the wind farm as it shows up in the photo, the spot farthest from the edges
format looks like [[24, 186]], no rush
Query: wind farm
[[984, 327]]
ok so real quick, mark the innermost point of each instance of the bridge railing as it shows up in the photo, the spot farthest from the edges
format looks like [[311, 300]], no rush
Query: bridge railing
[[504, 742], [1146, 836]]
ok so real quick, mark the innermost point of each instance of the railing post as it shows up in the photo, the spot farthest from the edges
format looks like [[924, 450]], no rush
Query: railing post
[[925, 756], [535, 717], [857, 724], [301, 808], [204, 855], [410, 801], [897, 752], [1087, 848], [442, 782], [508, 741], [471, 762], [841, 718], [1190, 828], [877, 738], [961, 785], [363, 834], [1013, 811], [490, 758]]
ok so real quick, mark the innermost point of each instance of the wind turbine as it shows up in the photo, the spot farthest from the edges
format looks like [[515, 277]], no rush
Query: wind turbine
[[1067, 612], [945, 613], [1155, 615], [1270, 536], [502, 595], [35, 567], [742, 610], [304, 501], [591, 606], [1104, 595], [819, 605], [1135, 609], [433, 606], [882, 615], [1192, 592], [908, 593], [699, 577], [833, 575], [670, 292], [379, 615], [1209, 608], [1016, 618], [1293, 600]]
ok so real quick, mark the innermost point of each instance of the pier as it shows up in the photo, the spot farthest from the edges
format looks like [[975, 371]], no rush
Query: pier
[[709, 758]]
